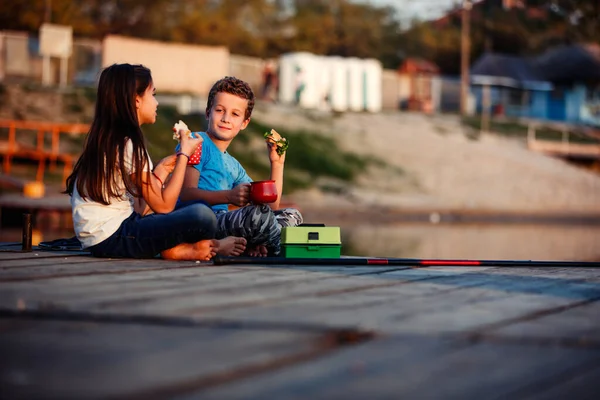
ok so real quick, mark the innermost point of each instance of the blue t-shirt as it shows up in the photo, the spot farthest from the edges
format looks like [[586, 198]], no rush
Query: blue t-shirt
[[218, 170]]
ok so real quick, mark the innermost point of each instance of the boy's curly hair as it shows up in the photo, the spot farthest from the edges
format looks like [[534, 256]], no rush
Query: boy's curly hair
[[235, 86]]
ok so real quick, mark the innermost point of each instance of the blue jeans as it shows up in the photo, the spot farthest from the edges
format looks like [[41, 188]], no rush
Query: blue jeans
[[148, 236]]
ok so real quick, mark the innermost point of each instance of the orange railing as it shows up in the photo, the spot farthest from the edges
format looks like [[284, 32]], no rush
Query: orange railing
[[40, 151]]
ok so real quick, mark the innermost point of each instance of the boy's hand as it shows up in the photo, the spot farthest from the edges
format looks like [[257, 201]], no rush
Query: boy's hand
[[277, 146], [274, 157], [239, 195]]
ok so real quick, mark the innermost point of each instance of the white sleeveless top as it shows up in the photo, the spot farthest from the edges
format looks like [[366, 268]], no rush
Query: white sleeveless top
[[94, 222]]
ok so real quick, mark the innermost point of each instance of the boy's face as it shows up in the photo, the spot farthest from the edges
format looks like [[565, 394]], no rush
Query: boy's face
[[226, 118]]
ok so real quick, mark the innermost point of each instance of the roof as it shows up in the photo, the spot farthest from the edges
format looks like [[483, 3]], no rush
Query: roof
[[570, 63], [506, 70], [562, 64]]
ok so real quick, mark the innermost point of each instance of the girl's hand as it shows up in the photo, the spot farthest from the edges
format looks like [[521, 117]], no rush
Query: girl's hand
[[275, 158], [188, 145], [167, 163]]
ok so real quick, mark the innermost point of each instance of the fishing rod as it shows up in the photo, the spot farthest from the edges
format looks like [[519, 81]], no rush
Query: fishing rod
[[409, 262]]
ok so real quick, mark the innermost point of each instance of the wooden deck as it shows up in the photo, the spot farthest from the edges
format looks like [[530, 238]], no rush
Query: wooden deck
[[566, 149], [72, 326]]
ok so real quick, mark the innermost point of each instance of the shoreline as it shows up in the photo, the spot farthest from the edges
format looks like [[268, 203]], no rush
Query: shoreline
[[331, 213], [386, 215]]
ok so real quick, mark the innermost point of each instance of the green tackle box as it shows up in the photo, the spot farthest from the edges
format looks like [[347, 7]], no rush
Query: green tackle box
[[311, 241]]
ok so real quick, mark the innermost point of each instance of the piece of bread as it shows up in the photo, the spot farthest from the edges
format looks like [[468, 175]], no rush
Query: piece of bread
[[275, 138], [180, 126]]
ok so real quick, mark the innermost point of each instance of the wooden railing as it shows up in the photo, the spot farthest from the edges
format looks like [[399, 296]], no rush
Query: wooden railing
[[41, 150], [563, 148]]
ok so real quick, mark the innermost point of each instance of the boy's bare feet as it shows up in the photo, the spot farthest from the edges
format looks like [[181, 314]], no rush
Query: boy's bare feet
[[258, 251], [232, 246], [203, 250]]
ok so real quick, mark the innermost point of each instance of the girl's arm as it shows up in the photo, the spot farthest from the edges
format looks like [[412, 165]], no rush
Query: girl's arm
[[161, 194]]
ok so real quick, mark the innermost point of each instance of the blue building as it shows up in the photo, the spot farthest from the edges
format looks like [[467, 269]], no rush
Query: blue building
[[562, 84]]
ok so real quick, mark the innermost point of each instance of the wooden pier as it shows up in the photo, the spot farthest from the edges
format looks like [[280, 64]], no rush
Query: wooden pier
[[43, 146], [72, 326], [565, 148]]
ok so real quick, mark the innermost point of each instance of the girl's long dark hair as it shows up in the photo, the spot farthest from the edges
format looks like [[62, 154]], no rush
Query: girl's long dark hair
[[101, 164]]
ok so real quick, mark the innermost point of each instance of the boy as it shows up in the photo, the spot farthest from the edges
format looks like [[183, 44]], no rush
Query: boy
[[219, 179]]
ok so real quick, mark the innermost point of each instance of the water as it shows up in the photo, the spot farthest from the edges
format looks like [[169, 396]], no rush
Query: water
[[450, 241], [474, 241]]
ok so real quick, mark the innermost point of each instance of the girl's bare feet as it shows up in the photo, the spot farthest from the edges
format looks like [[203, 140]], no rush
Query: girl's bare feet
[[258, 251], [232, 246], [203, 250]]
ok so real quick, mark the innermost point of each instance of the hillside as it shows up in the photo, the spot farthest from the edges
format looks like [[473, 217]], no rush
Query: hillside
[[408, 161], [434, 163]]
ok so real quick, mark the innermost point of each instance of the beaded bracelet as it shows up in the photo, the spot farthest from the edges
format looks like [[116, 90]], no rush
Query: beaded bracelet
[[180, 153], [157, 177]]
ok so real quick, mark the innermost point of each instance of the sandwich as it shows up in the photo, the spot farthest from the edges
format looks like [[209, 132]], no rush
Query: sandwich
[[181, 126], [275, 138]]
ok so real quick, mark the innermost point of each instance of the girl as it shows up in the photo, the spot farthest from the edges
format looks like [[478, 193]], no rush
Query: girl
[[115, 169]]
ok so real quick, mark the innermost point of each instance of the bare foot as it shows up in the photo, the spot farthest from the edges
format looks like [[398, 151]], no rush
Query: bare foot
[[258, 251], [232, 246], [203, 250]]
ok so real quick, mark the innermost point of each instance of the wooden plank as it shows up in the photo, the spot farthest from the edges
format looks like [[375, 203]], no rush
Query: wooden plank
[[238, 295], [70, 267], [163, 282], [570, 274], [47, 263], [441, 305], [67, 359], [11, 253], [579, 324], [399, 301], [415, 367], [438, 298], [577, 386], [565, 149]]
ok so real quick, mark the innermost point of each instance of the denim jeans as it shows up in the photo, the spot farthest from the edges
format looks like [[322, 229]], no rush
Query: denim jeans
[[148, 236]]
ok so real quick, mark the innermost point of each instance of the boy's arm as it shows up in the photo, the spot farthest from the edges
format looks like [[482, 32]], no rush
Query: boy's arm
[[277, 176], [190, 191], [277, 162]]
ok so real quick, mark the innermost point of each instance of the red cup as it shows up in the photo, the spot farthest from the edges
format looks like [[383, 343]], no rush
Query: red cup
[[263, 192], [195, 158]]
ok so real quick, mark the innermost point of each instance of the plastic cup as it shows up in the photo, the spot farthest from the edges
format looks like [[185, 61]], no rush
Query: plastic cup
[[195, 158]]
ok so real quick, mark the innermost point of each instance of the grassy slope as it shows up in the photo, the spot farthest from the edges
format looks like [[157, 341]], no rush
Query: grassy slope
[[309, 157]]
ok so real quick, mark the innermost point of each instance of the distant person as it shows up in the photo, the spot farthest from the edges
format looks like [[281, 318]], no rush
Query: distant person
[[219, 179], [269, 81], [300, 85], [123, 206]]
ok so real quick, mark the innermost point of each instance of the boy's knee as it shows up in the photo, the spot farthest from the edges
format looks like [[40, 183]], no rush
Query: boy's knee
[[289, 217], [296, 216], [260, 217]]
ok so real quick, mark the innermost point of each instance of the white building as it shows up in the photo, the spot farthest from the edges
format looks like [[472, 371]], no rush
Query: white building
[[340, 84]]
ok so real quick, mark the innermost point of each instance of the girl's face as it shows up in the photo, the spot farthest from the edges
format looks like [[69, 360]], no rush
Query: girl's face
[[146, 106], [227, 116]]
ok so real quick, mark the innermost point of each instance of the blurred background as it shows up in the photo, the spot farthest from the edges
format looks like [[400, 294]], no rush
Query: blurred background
[[430, 128]]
